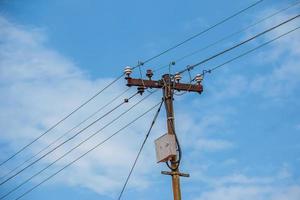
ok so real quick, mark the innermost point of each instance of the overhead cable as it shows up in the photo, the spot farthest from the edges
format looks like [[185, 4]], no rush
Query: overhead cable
[[60, 121], [64, 142], [66, 133], [75, 147], [204, 31], [191, 67], [295, 3], [250, 51], [115, 80], [95, 147], [140, 150]]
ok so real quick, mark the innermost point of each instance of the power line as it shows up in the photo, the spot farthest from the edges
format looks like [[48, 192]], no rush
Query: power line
[[230, 35], [78, 145], [96, 146], [66, 133], [60, 121], [191, 67], [148, 60], [72, 137], [251, 50], [204, 31], [140, 150]]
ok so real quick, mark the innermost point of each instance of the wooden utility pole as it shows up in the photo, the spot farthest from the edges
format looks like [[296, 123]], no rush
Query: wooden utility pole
[[168, 84]]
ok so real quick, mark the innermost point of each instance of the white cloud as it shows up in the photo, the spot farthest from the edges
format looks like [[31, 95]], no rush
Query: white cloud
[[284, 55], [238, 186], [36, 82], [252, 192], [213, 145], [38, 86]]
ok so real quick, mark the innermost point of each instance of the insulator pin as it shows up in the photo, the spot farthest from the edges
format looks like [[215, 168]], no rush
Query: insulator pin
[[127, 71], [199, 78], [177, 77], [141, 90], [149, 73]]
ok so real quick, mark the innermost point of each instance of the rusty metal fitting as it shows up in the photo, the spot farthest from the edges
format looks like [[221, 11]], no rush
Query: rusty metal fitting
[[141, 90], [149, 73]]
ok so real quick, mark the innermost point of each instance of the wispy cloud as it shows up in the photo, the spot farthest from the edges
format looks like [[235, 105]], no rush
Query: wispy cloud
[[213, 145], [252, 192], [38, 87], [239, 187]]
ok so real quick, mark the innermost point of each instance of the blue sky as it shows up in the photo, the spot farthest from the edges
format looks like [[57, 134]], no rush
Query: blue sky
[[240, 138]]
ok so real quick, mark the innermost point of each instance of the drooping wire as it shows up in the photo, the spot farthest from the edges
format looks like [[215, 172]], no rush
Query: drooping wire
[[75, 147], [66, 133], [204, 31], [140, 150], [78, 158], [191, 67], [230, 35], [69, 139], [250, 51], [60, 121]]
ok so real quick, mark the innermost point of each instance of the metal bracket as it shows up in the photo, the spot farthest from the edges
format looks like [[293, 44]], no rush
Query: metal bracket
[[175, 173]]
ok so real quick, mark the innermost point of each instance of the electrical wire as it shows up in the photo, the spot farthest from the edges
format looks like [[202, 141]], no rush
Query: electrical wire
[[96, 146], [66, 133], [60, 121], [295, 3], [250, 51], [140, 150], [69, 139], [191, 67], [140, 64], [30, 190], [204, 31], [241, 55], [177, 162], [75, 147]]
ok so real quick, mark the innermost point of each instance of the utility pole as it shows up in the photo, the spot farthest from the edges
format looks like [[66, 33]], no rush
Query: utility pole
[[168, 84]]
